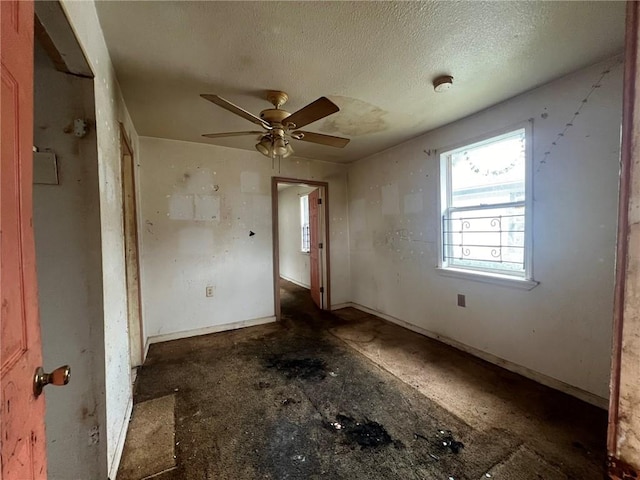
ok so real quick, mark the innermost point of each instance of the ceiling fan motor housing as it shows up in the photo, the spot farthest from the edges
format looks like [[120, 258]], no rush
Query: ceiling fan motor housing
[[274, 115], [277, 98]]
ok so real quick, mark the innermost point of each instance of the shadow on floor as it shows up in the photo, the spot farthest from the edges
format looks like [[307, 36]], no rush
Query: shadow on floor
[[349, 396]]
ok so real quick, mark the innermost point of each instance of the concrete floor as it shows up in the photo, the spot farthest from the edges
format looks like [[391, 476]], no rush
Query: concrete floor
[[346, 395]]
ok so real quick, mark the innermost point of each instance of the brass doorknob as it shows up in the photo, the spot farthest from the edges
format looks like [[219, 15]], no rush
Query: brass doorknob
[[60, 376]]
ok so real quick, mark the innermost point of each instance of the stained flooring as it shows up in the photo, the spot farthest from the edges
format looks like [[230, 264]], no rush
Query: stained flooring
[[346, 395]]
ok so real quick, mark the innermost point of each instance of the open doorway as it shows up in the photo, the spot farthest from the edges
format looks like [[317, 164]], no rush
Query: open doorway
[[67, 228], [300, 234]]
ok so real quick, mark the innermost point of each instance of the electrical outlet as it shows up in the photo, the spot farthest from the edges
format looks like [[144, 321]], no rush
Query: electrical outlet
[[209, 291], [462, 300]]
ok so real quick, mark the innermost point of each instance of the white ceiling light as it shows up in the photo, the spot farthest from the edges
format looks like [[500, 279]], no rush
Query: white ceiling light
[[443, 83]]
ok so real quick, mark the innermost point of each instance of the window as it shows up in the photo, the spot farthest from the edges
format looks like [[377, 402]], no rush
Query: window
[[304, 224], [484, 201]]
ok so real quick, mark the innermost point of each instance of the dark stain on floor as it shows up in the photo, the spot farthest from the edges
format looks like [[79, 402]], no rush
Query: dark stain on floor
[[367, 434], [290, 401], [304, 368], [442, 442]]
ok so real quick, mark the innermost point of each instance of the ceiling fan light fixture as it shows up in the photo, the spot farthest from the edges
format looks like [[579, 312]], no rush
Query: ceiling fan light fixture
[[264, 146], [289, 151], [279, 146]]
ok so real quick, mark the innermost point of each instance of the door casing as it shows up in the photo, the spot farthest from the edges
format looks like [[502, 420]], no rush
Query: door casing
[[131, 245], [619, 469], [324, 238]]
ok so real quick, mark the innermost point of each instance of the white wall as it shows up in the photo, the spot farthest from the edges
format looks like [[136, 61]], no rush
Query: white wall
[[110, 110], [561, 328], [67, 231], [294, 264], [198, 204]]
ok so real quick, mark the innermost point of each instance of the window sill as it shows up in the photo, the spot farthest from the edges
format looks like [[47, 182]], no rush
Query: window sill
[[502, 280]]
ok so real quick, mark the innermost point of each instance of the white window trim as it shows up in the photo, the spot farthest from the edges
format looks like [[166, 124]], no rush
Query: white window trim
[[527, 282], [487, 277]]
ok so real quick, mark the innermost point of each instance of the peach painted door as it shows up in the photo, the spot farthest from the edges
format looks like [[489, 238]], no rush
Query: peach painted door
[[314, 248], [22, 447]]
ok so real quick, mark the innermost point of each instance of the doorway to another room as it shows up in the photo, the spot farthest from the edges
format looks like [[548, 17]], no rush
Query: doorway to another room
[[300, 238], [68, 248]]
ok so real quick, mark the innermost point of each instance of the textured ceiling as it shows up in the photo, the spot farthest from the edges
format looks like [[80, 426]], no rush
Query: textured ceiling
[[375, 60]]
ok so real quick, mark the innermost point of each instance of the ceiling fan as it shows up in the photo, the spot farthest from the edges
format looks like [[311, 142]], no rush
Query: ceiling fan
[[281, 126]]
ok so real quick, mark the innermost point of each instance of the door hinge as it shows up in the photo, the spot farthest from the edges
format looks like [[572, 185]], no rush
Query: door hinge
[[319, 201], [320, 245], [321, 289]]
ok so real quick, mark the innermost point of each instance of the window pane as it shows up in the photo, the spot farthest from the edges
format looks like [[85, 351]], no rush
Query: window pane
[[489, 173], [487, 239], [304, 223]]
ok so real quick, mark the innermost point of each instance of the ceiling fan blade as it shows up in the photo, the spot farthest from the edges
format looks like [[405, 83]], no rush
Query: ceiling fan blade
[[322, 139], [231, 134], [227, 105], [321, 108]]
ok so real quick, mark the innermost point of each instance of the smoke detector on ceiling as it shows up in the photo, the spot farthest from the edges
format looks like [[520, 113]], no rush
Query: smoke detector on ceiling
[[443, 83]]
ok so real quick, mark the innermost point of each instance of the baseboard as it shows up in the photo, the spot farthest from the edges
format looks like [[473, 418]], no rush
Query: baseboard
[[146, 350], [342, 305], [501, 362], [207, 330], [300, 284], [115, 461]]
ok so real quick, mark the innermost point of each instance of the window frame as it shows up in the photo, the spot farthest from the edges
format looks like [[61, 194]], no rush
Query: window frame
[[525, 281], [304, 204]]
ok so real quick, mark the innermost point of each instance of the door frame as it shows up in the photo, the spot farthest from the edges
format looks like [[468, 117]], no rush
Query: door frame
[[629, 155], [127, 155], [325, 278]]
